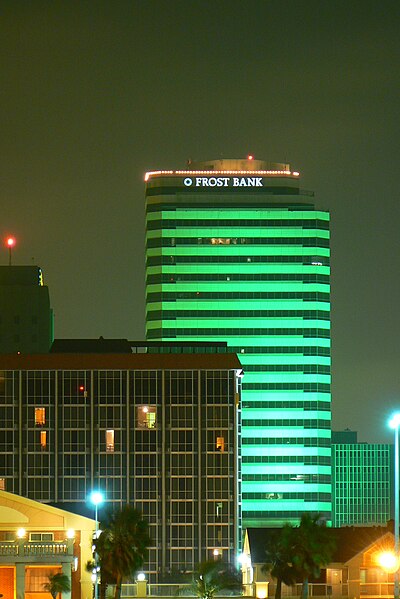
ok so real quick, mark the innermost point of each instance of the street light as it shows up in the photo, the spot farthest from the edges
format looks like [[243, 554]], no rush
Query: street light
[[97, 499], [394, 424]]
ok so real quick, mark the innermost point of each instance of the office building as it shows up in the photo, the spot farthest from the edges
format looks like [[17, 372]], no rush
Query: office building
[[161, 431], [236, 251], [26, 319], [362, 485]]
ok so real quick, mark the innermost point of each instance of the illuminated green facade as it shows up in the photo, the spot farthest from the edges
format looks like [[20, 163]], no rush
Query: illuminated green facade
[[237, 252]]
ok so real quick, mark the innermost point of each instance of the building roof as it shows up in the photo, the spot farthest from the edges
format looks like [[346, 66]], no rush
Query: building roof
[[350, 540], [16, 510], [116, 361], [20, 275], [125, 346]]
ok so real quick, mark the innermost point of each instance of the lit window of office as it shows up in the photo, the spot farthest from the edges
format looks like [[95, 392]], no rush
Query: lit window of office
[[110, 441], [146, 416], [40, 416]]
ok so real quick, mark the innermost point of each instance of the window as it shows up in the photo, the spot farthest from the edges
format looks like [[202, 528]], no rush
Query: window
[[40, 416], [221, 444], [110, 441], [146, 416], [43, 439], [41, 536], [2, 484]]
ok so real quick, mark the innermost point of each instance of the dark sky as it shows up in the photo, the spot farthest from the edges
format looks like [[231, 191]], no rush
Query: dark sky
[[92, 94]]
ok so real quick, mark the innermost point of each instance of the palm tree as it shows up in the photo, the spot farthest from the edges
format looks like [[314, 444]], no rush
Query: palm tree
[[121, 547], [313, 546], [213, 577], [57, 583], [278, 558]]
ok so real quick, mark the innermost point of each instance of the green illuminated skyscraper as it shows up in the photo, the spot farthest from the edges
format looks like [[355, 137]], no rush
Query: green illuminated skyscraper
[[237, 252]]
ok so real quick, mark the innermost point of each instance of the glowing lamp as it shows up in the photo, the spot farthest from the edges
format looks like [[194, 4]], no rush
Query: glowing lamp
[[395, 421], [250, 157], [21, 532], [70, 533], [388, 561], [96, 498], [10, 242], [141, 576]]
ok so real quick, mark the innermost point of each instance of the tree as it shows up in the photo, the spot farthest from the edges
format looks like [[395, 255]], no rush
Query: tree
[[213, 577], [313, 545], [278, 558], [121, 547], [57, 583]]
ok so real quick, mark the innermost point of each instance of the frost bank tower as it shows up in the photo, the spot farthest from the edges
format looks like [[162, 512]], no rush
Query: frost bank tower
[[236, 251]]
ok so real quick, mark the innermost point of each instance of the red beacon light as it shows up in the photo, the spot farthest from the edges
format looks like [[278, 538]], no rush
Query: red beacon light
[[10, 242], [250, 157], [82, 389]]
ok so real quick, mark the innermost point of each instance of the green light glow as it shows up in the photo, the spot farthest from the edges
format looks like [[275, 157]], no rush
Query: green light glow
[[229, 232], [236, 215]]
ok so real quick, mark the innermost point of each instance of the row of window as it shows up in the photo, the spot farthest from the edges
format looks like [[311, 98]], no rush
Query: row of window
[[322, 406], [307, 333], [307, 387], [301, 441], [162, 277], [303, 368], [235, 313], [299, 242], [306, 260], [238, 295], [309, 350], [267, 221], [288, 496]]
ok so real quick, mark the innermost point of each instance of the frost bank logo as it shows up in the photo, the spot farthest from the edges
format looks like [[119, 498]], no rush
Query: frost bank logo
[[223, 182]]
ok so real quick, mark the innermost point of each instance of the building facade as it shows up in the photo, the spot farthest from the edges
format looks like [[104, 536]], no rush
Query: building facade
[[26, 319], [37, 541], [159, 431], [236, 251], [361, 481]]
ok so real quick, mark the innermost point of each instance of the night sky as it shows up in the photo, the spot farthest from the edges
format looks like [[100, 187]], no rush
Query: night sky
[[93, 94]]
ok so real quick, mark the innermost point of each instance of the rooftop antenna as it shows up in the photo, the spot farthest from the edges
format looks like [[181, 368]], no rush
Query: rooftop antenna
[[10, 245]]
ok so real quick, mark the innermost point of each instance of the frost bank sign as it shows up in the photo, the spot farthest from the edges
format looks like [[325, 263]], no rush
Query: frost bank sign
[[223, 182]]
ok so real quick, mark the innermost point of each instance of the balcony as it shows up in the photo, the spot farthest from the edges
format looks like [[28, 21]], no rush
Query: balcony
[[34, 552]]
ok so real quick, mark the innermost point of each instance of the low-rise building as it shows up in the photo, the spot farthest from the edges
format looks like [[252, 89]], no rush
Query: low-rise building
[[38, 540], [357, 568]]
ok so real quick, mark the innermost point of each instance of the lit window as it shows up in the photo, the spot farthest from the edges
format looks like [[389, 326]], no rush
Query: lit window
[[43, 439], [40, 416], [110, 441], [146, 416], [221, 444], [2, 484]]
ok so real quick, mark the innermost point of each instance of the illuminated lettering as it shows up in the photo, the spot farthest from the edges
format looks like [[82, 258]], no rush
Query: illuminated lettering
[[224, 182]]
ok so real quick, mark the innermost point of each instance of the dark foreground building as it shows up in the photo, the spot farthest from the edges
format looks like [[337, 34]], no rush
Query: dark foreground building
[[26, 319], [161, 431], [237, 251]]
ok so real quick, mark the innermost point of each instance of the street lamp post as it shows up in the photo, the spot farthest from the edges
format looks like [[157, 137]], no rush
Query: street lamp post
[[394, 424], [97, 499]]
